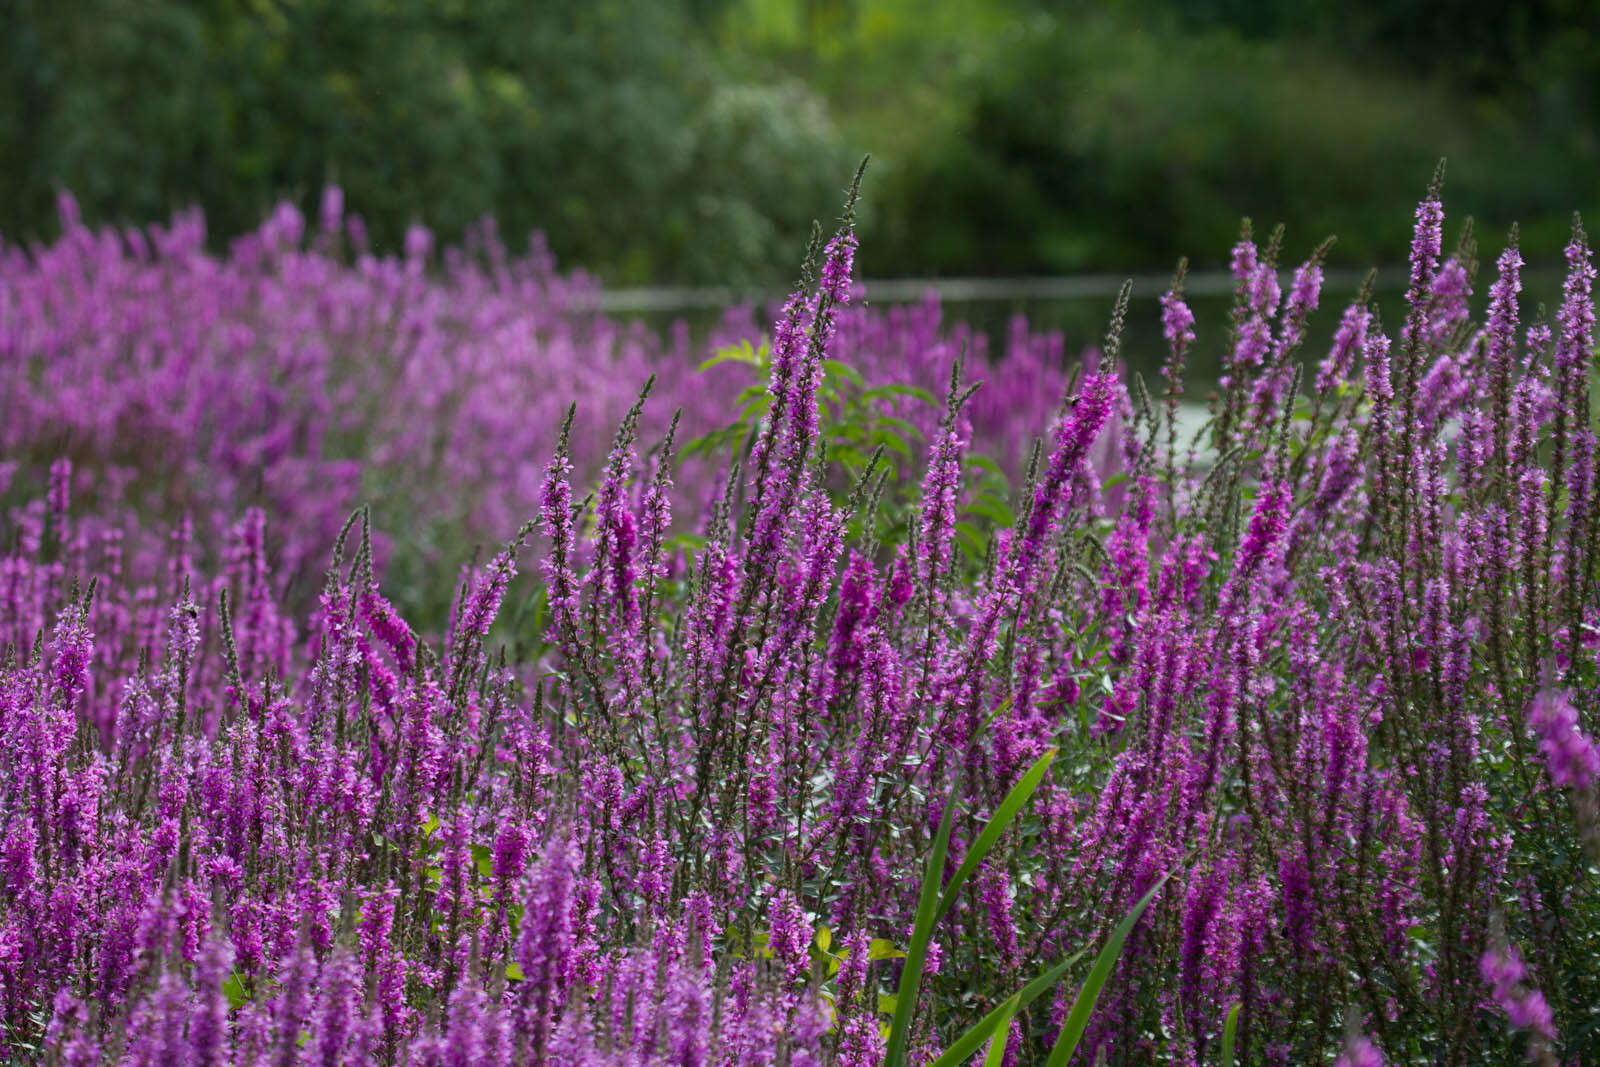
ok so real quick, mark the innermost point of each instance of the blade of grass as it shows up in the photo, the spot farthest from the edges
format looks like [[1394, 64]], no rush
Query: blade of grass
[[1078, 1018], [1002, 1034], [917, 951], [1229, 1028], [1008, 810], [961, 1050]]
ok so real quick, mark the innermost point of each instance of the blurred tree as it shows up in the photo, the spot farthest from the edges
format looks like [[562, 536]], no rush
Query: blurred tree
[[610, 125], [694, 140], [1068, 136]]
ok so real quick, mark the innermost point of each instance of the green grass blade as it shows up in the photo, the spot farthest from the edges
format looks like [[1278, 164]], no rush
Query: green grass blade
[[1002, 1033], [961, 1050], [1078, 1018], [1229, 1028], [917, 951], [1003, 816]]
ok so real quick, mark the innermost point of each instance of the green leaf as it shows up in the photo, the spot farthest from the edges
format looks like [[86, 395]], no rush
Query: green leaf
[[971, 540], [738, 353], [992, 509], [917, 952], [878, 391], [753, 398], [1083, 1007], [1002, 1033], [968, 1043], [843, 370], [1003, 816], [900, 424], [1229, 1027], [485, 860], [233, 989], [881, 949], [978, 459], [889, 439]]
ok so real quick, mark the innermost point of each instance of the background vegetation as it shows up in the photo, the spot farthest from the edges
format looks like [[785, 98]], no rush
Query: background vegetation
[[694, 140]]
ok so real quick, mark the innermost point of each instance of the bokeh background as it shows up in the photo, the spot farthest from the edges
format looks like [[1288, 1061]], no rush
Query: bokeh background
[[693, 141]]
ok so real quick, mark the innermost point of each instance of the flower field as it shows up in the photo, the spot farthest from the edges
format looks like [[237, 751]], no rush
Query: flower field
[[844, 690]]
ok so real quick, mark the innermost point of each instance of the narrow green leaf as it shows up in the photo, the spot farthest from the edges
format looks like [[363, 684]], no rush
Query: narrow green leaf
[[917, 952], [1003, 816], [1083, 1007], [1229, 1029], [1002, 1034], [961, 1050]]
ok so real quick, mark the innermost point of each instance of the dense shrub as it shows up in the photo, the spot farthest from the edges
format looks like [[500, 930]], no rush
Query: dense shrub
[[1324, 691]]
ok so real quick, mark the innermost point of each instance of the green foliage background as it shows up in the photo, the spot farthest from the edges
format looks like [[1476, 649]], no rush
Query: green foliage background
[[694, 140]]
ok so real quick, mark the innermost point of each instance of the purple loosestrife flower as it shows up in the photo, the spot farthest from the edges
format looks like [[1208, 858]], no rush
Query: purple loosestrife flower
[[1448, 296], [1304, 293], [546, 944], [1177, 321], [1426, 242], [1073, 436], [208, 1021], [337, 1008], [290, 1006], [60, 498], [832, 292], [1575, 345], [1255, 341], [66, 1032], [559, 859], [791, 936], [389, 628], [1501, 331], [385, 967], [1571, 758], [331, 209], [1243, 262], [838, 263], [1349, 340], [1264, 535], [994, 890], [861, 1043], [558, 527], [1505, 974], [940, 488], [858, 609], [1359, 1052], [788, 345]]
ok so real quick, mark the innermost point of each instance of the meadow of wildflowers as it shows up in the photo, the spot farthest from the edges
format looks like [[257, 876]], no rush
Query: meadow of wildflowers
[[873, 730]]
